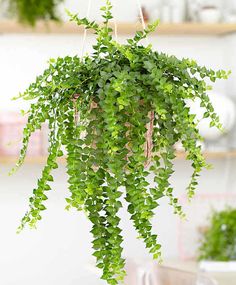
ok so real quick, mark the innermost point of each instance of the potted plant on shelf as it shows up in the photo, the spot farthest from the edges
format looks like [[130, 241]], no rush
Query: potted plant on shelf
[[118, 112], [31, 11], [217, 251], [210, 14]]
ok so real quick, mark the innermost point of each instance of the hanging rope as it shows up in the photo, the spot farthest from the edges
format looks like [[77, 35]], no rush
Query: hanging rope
[[149, 143], [142, 17], [115, 29], [115, 23], [76, 96], [76, 114], [85, 30], [141, 14]]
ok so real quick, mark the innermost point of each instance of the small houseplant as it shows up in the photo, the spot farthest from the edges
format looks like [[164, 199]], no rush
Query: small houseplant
[[218, 242], [118, 112], [30, 12]]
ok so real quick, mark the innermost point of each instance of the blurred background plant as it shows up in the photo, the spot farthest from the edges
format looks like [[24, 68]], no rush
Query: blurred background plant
[[219, 240], [30, 12]]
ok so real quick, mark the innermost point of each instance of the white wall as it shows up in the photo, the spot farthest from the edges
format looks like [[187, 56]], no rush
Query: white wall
[[59, 251]]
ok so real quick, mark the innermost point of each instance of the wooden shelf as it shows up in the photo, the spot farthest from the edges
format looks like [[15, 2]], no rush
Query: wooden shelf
[[211, 154], [62, 160], [12, 27]]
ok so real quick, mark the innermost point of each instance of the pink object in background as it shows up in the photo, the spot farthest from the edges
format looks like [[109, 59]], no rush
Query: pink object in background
[[11, 129]]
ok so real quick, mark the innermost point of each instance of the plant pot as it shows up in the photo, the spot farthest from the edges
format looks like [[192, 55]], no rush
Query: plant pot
[[210, 15]]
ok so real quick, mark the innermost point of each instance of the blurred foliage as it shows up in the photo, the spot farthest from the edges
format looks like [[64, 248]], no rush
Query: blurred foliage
[[219, 241], [99, 108], [30, 11]]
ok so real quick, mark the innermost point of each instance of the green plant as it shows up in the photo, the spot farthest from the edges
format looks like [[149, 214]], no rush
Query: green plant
[[219, 241], [31, 11], [119, 113]]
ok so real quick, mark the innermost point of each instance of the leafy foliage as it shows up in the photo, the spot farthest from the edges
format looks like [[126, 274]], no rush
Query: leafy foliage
[[99, 107], [219, 241], [31, 11]]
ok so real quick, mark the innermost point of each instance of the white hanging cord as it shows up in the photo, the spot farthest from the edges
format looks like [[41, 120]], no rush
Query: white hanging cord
[[115, 29], [142, 17], [115, 23], [149, 143], [85, 30], [141, 14]]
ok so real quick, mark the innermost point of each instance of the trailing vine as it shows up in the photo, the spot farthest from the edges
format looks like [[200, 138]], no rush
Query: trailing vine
[[119, 112], [31, 11]]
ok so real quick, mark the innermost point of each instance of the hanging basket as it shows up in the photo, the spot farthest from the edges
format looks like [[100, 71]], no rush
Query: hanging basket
[[118, 112]]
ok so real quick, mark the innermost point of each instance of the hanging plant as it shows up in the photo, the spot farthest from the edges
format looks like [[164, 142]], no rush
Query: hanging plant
[[31, 11], [118, 112]]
